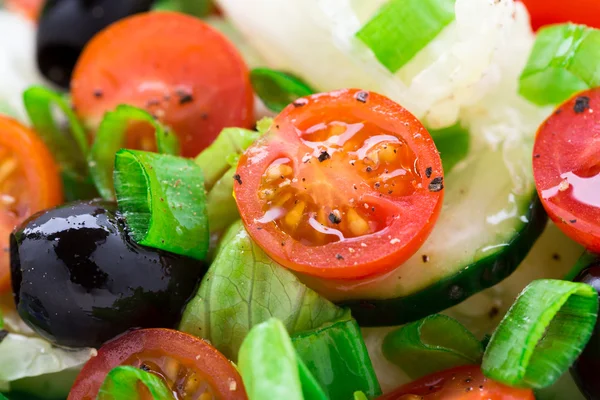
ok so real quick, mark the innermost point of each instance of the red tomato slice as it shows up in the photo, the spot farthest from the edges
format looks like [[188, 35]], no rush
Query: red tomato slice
[[29, 182], [29, 8], [191, 367], [547, 12], [345, 185], [566, 167], [461, 383], [175, 66]]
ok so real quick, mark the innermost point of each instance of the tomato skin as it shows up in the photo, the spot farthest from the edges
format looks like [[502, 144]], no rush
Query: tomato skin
[[461, 383], [547, 12], [29, 8], [215, 368], [175, 66], [43, 183], [566, 168], [409, 219]]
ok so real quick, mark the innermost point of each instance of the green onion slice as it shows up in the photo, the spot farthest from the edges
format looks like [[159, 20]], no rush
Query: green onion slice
[[110, 137], [453, 144], [337, 356], [585, 261], [542, 334], [360, 396], [123, 383], [311, 389], [564, 61], [163, 200], [402, 28], [197, 8], [277, 89], [69, 146], [433, 344]]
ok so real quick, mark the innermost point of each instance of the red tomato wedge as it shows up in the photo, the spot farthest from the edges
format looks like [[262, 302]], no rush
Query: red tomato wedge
[[566, 167], [29, 182], [461, 383], [176, 67], [344, 185], [547, 12], [191, 367]]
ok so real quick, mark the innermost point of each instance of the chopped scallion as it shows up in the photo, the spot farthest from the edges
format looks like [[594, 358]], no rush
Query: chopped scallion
[[110, 137], [564, 61], [122, 383], [542, 334], [402, 28], [163, 200], [432, 344], [277, 89]]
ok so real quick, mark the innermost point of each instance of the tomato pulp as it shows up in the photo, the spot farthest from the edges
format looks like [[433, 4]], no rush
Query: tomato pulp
[[547, 12], [175, 66], [29, 182], [344, 185], [566, 167]]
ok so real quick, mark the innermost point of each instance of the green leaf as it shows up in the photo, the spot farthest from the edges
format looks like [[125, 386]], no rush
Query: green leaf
[[311, 389], [433, 344], [69, 146], [453, 144], [542, 334], [197, 8], [564, 61], [122, 383], [402, 28], [110, 137], [277, 89], [163, 200], [268, 365], [263, 125], [244, 287], [220, 203], [336, 355], [360, 396]]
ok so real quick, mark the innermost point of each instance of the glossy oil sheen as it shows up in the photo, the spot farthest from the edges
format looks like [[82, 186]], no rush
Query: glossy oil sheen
[[585, 369], [78, 278]]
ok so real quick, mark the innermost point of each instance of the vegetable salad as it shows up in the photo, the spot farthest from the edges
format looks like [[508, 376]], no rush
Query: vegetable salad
[[315, 200]]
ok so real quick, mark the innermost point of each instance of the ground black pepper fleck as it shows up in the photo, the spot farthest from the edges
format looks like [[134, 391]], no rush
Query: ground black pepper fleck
[[98, 93], [144, 367], [334, 218], [428, 172], [556, 256], [184, 97], [238, 178], [582, 103], [436, 184], [425, 258], [536, 156], [324, 156], [339, 257], [362, 96], [572, 221], [369, 169]]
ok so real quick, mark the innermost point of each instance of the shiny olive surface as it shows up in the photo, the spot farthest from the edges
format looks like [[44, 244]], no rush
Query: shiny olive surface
[[66, 26], [78, 278], [587, 367]]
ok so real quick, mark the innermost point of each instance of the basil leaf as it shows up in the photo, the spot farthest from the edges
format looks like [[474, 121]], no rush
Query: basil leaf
[[453, 144], [124, 382], [277, 89]]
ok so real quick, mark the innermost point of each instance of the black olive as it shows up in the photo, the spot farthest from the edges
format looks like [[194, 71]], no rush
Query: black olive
[[66, 26], [78, 278], [585, 369]]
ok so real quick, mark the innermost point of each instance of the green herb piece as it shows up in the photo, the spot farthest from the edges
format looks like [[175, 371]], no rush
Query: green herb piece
[[197, 8], [433, 344], [263, 125], [110, 137], [337, 357], [360, 396], [163, 200], [244, 287], [564, 61], [585, 261], [542, 334], [277, 89], [311, 389], [69, 146], [220, 203], [268, 364], [2, 397], [402, 28], [453, 144], [123, 383]]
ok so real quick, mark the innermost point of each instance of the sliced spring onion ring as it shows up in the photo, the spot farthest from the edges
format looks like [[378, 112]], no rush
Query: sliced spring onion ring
[[163, 200], [564, 61], [542, 334], [337, 356], [402, 28], [69, 147], [433, 344], [111, 137], [122, 383], [277, 89]]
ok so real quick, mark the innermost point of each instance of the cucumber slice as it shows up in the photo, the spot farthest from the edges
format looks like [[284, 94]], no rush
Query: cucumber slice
[[490, 219]]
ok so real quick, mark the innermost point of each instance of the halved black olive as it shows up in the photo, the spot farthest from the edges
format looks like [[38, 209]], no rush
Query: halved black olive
[[66, 26], [585, 369], [78, 279]]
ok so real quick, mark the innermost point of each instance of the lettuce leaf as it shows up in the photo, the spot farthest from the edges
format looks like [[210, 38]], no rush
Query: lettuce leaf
[[244, 287]]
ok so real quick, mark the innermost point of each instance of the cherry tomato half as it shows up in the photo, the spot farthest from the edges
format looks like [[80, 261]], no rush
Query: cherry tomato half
[[29, 8], [344, 185], [191, 367], [461, 383], [29, 182], [546, 12], [175, 66], [566, 167]]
